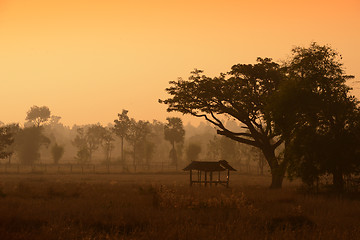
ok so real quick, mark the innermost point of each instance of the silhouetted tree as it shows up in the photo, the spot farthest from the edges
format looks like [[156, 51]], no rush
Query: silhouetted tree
[[137, 136], [57, 152], [107, 143], [80, 142], [7, 135], [6, 140], [94, 137], [241, 94], [38, 115], [88, 141], [28, 142], [174, 133], [121, 129], [193, 151], [318, 118]]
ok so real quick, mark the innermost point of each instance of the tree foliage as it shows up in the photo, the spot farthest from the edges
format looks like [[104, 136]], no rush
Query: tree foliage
[[136, 136], [174, 133], [317, 116], [6, 140], [240, 94], [28, 142], [193, 151], [38, 115], [121, 128]]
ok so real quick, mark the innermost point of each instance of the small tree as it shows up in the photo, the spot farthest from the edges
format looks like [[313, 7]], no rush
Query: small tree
[[121, 129], [193, 151], [57, 152], [107, 144], [38, 115], [94, 137], [28, 142], [80, 142], [174, 133], [6, 140], [137, 136]]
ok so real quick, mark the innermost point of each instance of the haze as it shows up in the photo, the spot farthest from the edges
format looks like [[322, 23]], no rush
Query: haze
[[87, 60]]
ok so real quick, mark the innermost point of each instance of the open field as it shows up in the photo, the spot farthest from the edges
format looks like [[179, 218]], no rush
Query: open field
[[163, 206]]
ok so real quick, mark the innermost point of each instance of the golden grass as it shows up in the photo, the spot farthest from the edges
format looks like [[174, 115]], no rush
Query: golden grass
[[145, 206]]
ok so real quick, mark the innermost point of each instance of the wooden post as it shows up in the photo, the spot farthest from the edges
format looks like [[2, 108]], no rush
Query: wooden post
[[211, 175], [190, 177], [219, 177]]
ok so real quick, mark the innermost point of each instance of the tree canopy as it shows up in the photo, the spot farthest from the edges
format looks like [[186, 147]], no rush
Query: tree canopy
[[317, 116], [38, 115], [240, 94]]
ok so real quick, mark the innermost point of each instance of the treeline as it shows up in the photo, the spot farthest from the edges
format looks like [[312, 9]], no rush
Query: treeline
[[126, 142]]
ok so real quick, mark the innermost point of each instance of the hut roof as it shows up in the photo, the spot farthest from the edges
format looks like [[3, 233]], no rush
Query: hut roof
[[221, 165]]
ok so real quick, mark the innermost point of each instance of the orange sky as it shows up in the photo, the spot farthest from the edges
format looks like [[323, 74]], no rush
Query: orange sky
[[88, 59]]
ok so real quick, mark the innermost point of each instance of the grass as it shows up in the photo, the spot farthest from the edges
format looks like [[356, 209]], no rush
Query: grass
[[145, 206]]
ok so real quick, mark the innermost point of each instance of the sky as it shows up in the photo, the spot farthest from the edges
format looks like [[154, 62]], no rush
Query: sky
[[89, 59]]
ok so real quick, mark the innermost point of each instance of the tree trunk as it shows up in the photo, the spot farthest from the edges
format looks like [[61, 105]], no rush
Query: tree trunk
[[134, 156], [122, 149], [338, 180], [277, 169], [277, 177]]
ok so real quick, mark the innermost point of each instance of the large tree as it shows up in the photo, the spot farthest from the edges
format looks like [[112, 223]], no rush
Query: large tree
[[174, 133], [317, 116], [241, 94]]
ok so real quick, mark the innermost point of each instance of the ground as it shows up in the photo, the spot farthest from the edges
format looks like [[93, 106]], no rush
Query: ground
[[164, 206]]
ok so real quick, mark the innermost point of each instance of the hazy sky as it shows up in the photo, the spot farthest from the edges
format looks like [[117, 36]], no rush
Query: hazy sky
[[88, 59]]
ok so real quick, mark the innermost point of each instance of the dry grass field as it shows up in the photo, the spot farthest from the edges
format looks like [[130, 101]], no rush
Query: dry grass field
[[163, 206]]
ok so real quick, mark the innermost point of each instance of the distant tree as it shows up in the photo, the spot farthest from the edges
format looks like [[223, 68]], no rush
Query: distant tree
[[55, 120], [107, 143], [88, 141], [6, 140], [28, 142], [57, 152], [38, 115], [137, 136], [8, 132], [193, 151], [149, 152], [94, 138], [223, 148], [121, 129], [80, 142], [174, 133]]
